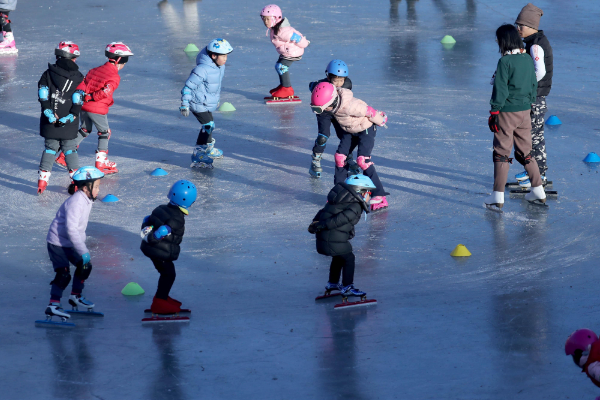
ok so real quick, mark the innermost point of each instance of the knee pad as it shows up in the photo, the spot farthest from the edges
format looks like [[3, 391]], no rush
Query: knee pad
[[364, 162], [62, 278], [499, 158], [340, 160], [321, 140], [281, 69], [105, 135], [209, 127], [84, 132], [522, 158], [70, 152], [50, 151], [83, 271]]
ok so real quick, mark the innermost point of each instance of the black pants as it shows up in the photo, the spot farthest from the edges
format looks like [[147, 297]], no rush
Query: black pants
[[345, 264], [203, 136], [284, 79], [325, 121], [5, 24], [365, 142], [167, 277]]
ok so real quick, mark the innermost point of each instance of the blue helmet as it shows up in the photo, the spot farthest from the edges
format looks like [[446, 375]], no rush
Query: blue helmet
[[219, 46], [337, 68], [87, 174], [360, 182], [183, 193]]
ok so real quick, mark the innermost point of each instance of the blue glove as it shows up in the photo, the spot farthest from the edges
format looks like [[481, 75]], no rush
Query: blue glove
[[68, 118], [295, 38], [312, 85], [162, 232], [86, 258], [184, 110], [51, 118]]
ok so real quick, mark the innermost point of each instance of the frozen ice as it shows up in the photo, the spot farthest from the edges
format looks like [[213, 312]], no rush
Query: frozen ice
[[488, 326]]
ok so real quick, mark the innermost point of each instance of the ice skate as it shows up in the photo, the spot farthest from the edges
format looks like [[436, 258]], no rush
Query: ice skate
[[495, 202], [315, 169], [353, 168], [351, 291], [536, 196], [522, 176], [55, 310], [526, 184], [213, 151], [201, 157], [282, 96], [378, 203], [8, 46], [328, 289], [274, 90], [102, 163], [60, 160], [173, 301], [87, 307], [43, 177], [164, 311]]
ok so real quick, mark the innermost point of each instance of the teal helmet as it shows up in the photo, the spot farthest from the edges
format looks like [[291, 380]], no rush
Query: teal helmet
[[360, 183], [87, 174]]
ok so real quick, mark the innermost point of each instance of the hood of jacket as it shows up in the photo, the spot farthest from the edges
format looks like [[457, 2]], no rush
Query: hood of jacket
[[342, 193], [61, 76], [204, 59]]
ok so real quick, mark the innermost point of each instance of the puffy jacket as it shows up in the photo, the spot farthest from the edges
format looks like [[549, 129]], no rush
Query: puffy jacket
[[62, 80], [167, 248], [204, 85], [351, 112], [8, 5], [69, 225], [282, 41], [100, 83], [342, 211]]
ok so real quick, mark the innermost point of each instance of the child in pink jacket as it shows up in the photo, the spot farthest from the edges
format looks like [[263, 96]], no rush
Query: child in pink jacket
[[288, 42], [360, 121]]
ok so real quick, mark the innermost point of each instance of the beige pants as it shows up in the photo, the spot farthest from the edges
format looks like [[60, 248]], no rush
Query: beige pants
[[515, 128]]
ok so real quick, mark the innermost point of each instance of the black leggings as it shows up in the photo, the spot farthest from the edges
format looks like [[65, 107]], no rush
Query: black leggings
[[167, 277], [5, 22], [345, 264], [203, 136]]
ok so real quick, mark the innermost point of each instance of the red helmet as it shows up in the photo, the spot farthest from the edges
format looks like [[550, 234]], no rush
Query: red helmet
[[118, 50], [67, 50]]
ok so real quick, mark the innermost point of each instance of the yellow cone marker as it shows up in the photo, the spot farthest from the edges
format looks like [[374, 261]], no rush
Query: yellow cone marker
[[460, 251]]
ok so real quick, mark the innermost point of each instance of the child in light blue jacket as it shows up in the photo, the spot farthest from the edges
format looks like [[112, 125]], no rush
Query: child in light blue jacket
[[201, 94]]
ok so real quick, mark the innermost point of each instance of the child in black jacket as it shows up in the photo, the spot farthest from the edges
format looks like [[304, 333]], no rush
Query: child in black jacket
[[162, 233], [334, 227]]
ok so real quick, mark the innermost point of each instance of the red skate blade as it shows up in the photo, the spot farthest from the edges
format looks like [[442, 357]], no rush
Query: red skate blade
[[182, 311], [156, 319], [326, 296], [283, 100], [355, 304]]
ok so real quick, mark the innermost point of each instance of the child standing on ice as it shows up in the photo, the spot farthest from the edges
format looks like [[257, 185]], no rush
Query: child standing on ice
[[360, 122], [201, 95], [583, 345], [515, 89], [162, 233], [66, 241], [288, 42], [336, 73], [7, 45], [334, 228], [60, 93], [100, 84]]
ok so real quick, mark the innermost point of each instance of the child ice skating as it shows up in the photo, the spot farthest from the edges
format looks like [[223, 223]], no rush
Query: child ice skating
[[515, 89], [60, 93], [162, 233], [583, 345], [290, 45], [360, 122], [7, 45], [336, 73], [66, 242], [100, 84], [334, 228], [201, 95]]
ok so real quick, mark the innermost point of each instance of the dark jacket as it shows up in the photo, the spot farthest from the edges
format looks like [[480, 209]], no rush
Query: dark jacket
[[166, 249], [62, 80], [325, 119], [515, 84], [545, 84], [335, 226]]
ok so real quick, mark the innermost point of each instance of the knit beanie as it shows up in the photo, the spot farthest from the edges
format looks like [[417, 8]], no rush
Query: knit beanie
[[530, 16]]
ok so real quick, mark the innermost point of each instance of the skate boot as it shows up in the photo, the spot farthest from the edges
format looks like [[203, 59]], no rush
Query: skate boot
[[76, 300], [60, 160], [353, 168], [536, 195], [43, 177], [378, 203], [173, 301], [55, 310], [275, 89], [495, 201], [201, 157], [283, 92], [333, 286], [315, 165], [102, 163], [526, 184], [213, 151], [160, 306], [7, 45], [522, 176], [350, 290]]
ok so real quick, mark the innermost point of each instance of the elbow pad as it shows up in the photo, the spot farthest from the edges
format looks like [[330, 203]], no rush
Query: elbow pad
[[77, 97], [43, 93]]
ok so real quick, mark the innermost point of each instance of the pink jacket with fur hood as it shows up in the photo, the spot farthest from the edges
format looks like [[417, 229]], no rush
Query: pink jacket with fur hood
[[351, 113], [284, 45]]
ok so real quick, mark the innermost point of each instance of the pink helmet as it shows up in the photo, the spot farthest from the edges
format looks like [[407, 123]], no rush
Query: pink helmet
[[272, 10], [579, 340], [117, 49], [323, 96], [67, 50]]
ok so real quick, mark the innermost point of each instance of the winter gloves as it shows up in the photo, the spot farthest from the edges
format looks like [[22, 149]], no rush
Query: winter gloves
[[493, 121]]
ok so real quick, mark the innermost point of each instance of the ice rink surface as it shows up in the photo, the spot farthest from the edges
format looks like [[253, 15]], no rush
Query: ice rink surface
[[491, 326]]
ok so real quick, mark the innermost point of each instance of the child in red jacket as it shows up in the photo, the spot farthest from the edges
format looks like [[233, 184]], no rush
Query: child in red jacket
[[100, 84]]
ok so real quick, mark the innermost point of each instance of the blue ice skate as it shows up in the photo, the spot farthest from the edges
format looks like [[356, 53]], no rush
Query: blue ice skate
[[55, 310], [214, 152], [522, 176], [350, 290], [526, 184], [328, 288], [77, 301], [315, 169], [201, 157]]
